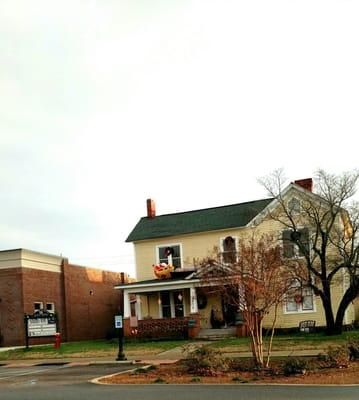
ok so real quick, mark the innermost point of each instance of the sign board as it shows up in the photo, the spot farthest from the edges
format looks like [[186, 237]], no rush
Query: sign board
[[37, 327], [118, 321]]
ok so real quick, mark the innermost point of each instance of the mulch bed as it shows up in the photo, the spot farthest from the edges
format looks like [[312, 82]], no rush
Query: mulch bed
[[175, 373]]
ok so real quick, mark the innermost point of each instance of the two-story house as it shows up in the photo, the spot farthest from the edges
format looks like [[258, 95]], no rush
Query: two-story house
[[169, 296]]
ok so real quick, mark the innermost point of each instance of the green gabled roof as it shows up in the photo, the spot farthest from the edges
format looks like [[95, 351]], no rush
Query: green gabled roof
[[209, 219]]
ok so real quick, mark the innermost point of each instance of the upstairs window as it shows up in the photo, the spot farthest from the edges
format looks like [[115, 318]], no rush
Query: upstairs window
[[170, 254], [229, 250], [291, 239]]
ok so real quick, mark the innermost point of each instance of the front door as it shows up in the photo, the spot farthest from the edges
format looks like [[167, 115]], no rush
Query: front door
[[178, 303], [229, 313]]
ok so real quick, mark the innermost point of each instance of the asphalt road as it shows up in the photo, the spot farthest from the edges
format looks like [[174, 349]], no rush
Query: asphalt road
[[71, 383]]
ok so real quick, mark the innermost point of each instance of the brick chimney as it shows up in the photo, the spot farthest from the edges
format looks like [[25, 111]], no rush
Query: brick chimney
[[151, 208], [305, 183]]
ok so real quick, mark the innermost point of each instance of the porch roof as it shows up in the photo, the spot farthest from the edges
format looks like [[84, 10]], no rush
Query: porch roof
[[158, 284]]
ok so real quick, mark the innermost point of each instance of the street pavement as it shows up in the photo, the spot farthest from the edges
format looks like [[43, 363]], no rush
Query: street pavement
[[60, 379]]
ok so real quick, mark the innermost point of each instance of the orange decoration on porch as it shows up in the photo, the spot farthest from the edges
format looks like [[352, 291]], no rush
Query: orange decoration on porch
[[163, 270]]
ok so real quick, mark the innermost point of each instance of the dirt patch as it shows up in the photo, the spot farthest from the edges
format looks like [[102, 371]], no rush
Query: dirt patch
[[175, 373]]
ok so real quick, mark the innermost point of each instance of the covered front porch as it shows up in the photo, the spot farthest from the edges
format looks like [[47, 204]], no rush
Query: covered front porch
[[172, 308]]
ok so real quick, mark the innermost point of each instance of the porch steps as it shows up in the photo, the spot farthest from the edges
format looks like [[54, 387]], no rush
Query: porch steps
[[216, 334]]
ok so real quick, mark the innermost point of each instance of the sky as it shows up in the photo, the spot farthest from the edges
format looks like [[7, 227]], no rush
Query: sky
[[104, 104]]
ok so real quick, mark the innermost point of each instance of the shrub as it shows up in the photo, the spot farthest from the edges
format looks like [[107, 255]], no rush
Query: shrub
[[241, 365], [295, 366], [205, 361], [353, 348], [196, 379], [338, 356]]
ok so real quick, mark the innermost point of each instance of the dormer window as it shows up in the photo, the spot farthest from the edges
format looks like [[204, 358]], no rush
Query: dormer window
[[229, 250], [170, 254], [294, 206]]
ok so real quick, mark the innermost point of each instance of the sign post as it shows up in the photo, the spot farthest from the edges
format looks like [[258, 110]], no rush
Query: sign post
[[119, 325]]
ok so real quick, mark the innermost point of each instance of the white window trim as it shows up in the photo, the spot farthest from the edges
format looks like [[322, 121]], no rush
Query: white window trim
[[183, 304], [300, 310], [236, 241], [53, 307], [172, 303], [41, 305], [169, 245]]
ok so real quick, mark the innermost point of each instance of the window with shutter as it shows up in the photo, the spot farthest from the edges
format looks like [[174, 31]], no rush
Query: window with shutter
[[288, 245], [295, 243]]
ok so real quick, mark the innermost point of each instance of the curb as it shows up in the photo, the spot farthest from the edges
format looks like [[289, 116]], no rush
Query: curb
[[96, 381]]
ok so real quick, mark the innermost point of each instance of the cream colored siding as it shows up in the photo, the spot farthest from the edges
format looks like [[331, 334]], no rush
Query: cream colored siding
[[197, 246], [22, 258], [213, 302]]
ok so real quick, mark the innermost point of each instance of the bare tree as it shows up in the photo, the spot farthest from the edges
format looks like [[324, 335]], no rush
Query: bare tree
[[328, 247], [256, 283]]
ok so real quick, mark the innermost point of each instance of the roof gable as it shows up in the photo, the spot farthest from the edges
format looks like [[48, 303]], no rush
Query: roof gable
[[209, 219]]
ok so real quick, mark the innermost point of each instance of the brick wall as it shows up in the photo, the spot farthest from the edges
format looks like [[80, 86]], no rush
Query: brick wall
[[91, 301], [11, 308], [45, 287], [85, 301]]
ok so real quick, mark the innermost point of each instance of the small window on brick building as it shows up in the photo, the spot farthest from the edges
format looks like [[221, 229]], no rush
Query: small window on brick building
[[50, 307], [38, 306]]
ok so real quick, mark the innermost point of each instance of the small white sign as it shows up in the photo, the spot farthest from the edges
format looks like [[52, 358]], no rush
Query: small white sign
[[118, 321]]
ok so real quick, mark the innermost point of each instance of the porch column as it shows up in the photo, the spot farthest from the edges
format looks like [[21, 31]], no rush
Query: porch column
[[138, 307], [126, 304], [193, 297]]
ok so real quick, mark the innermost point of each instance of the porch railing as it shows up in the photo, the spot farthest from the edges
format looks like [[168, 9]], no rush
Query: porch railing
[[163, 328]]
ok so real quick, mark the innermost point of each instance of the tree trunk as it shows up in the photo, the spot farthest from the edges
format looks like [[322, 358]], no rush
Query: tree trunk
[[328, 310], [350, 294]]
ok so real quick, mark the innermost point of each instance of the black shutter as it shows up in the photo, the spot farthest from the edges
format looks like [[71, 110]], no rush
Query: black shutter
[[304, 241], [288, 245]]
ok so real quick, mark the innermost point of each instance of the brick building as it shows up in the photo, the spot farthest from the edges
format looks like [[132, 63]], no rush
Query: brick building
[[83, 298]]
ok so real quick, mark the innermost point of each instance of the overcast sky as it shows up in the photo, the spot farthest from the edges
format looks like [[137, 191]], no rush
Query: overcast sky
[[106, 103]]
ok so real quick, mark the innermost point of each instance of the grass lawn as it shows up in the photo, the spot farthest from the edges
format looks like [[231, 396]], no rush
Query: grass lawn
[[109, 348], [294, 341], [94, 348]]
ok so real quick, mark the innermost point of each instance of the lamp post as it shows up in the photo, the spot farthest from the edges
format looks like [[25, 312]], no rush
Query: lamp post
[[119, 324]]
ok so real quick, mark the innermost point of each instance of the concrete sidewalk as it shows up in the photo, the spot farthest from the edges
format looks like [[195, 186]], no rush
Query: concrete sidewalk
[[165, 357]]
